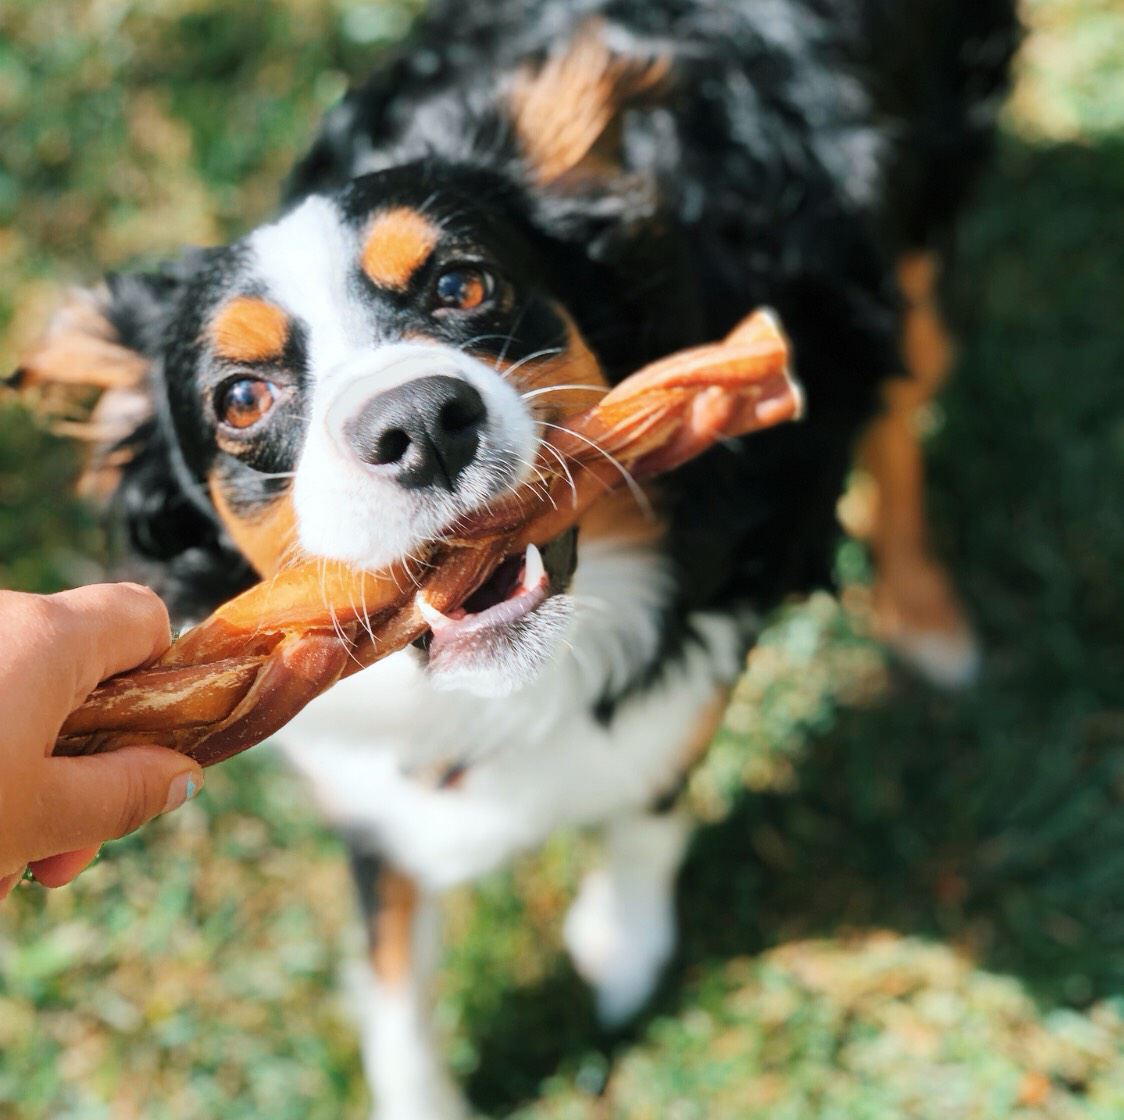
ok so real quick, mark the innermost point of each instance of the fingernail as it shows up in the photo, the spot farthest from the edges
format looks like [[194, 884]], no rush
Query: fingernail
[[183, 788]]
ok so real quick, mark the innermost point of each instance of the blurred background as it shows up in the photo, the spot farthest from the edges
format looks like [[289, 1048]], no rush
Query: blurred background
[[904, 903]]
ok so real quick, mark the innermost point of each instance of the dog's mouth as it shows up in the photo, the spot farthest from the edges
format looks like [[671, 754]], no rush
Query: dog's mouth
[[507, 630]]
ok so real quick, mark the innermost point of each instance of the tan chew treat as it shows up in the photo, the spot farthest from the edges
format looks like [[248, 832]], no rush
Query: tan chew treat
[[243, 673]]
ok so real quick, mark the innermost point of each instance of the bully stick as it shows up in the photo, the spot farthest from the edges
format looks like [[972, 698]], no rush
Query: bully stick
[[244, 672]]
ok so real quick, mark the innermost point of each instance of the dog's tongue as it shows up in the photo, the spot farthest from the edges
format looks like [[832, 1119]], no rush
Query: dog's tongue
[[500, 602]]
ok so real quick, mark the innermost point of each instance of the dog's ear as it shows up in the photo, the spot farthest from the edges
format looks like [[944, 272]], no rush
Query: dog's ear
[[91, 367], [567, 110], [96, 370], [104, 338], [569, 113], [573, 115], [81, 347]]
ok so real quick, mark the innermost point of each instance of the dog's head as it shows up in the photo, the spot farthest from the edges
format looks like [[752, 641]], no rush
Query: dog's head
[[350, 380]]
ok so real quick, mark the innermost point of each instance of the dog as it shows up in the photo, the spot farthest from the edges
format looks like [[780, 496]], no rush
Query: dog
[[524, 203]]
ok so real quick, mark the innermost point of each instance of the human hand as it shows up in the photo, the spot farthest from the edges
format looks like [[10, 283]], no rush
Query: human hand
[[56, 812]]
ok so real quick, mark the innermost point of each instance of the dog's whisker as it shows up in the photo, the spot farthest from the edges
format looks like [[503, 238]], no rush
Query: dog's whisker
[[481, 338], [541, 484], [421, 562], [633, 486], [365, 617], [511, 337], [567, 360], [546, 352], [276, 474], [565, 470], [563, 388]]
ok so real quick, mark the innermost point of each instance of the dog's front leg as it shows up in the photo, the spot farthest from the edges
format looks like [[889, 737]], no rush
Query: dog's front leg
[[407, 1078], [916, 609], [621, 928]]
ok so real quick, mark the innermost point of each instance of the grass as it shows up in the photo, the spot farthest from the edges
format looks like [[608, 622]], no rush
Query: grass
[[903, 904]]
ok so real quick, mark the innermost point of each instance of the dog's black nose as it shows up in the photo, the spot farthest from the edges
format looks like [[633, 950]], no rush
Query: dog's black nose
[[429, 429]]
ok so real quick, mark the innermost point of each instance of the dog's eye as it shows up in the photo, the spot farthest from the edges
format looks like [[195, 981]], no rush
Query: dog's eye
[[244, 402], [464, 288]]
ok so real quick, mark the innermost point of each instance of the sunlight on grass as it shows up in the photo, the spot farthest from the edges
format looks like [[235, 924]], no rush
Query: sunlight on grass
[[904, 904], [1071, 72]]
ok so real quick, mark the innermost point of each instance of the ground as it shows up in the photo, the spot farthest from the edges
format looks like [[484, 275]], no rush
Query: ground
[[904, 903]]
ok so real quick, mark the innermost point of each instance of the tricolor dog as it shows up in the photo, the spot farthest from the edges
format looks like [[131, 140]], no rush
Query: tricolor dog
[[525, 202]]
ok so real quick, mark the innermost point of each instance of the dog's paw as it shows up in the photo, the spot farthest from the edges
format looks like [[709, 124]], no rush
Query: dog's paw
[[918, 615], [439, 1102], [403, 1067], [619, 944], [945, 659], [437, 1098]]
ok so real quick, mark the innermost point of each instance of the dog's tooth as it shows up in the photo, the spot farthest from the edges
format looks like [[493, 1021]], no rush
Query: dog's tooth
[[534, 571], [435, 619]]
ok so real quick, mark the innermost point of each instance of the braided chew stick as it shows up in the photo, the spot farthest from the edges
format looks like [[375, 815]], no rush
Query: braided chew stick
[[243, 673]]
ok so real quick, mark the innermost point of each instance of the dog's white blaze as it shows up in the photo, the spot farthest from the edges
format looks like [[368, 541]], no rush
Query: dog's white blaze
[[306, 259]]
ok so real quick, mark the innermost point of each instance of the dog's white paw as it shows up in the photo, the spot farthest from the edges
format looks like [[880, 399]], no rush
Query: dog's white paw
[[619, 942], [945, 659], [438, 1101], [402, 1063], [918, 615]]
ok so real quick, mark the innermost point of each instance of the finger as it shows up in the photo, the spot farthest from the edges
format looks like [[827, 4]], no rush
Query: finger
[[7, 882], [107, 628], [59, 647], [55, 871], [85, 801]]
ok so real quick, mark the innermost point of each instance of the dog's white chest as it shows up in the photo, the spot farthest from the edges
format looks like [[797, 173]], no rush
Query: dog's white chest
[[378, 745]]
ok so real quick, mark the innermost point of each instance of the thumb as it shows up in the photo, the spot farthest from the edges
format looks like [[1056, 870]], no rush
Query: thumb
[[87, 800]]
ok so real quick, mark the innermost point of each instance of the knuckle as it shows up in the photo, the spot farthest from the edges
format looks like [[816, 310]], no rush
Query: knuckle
[[148, 607], [36, 622], [145, 597], [135, 808], [25, 608]]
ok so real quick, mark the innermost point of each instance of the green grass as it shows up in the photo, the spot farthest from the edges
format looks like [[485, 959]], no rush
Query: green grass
[[903, 904]]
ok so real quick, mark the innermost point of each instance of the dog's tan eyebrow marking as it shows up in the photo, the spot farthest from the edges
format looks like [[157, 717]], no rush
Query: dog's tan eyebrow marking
[[397, 244], [248, 329]]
